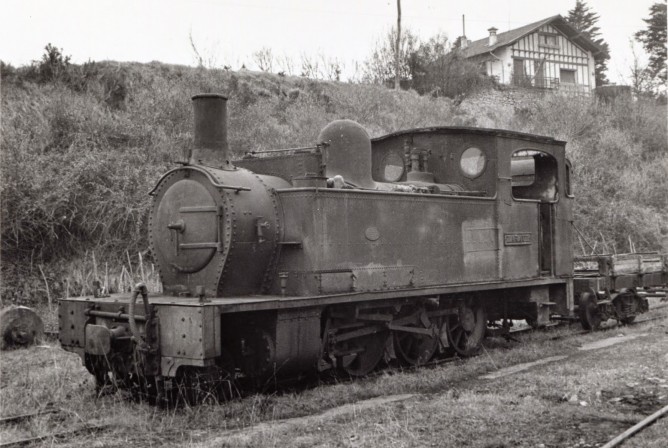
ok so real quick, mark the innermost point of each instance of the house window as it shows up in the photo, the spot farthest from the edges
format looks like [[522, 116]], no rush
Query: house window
[[567, 76], [548, 40]]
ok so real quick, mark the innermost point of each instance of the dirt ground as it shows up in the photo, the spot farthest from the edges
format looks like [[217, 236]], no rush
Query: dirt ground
[[542, 391]]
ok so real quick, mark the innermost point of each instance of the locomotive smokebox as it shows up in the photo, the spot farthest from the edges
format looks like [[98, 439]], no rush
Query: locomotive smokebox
[[210, 111]]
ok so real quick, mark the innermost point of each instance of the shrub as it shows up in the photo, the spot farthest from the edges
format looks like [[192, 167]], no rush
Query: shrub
[[452, 76], [618, 152], [54, 65]]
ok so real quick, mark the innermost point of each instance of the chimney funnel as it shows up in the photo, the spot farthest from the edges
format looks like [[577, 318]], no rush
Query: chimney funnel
[[210, 117], [463, 42], [492, 36]]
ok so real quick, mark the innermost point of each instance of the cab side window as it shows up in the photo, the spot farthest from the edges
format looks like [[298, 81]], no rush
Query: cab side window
[[534, 176], [569, 185]]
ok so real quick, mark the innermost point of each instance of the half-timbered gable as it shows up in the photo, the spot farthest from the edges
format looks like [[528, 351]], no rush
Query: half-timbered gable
[[549, 54]]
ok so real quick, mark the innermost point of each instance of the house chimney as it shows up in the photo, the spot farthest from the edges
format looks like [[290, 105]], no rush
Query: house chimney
[[463, 42], [210, 113], [492, 36]]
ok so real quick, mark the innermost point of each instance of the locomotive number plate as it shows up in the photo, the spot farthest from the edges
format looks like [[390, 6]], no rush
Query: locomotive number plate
[[516, 239]]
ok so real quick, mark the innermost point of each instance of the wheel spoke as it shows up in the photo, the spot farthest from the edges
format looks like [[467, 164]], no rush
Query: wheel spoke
[[411, 346], [466, 341], [414, 348], [458, 338], [373, 348]]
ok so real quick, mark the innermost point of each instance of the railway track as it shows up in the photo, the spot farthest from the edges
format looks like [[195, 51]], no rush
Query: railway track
[[90, 427], [518, 332], [21, 417], [604, 327], [618, 440], [96, 426], [515, 332], [439, 362]]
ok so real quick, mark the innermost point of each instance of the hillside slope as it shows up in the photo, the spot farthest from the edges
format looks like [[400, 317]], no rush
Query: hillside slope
[[80, 152]]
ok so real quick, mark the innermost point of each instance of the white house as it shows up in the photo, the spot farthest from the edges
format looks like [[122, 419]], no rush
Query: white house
[[549, 54]]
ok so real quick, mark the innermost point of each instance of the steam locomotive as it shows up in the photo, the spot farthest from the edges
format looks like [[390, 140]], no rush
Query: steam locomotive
[[337, 256]]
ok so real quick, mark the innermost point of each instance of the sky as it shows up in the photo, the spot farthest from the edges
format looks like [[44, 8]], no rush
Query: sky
[[228, 32]]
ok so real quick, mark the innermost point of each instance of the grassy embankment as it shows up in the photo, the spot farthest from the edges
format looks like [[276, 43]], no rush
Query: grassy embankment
[[80, 153]]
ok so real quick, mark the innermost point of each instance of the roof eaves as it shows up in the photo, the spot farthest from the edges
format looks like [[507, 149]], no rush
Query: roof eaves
[[576, 36], [508, 37]]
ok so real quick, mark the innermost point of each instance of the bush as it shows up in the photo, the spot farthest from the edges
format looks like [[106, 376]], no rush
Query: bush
[[618, 154], [54, 65], [452, 76]]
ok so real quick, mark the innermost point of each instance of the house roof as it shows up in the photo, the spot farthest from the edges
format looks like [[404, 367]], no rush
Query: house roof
[[481, 46]]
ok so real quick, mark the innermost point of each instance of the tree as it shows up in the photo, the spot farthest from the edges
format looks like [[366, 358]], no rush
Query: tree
[[654, 40], [54, 64], [452, 76], [264, 59], [422, 62], [379, 68], [205, 55], [584, 20], [286, 65], [331, 68], [310, 67], [640, 76], [438, 69]]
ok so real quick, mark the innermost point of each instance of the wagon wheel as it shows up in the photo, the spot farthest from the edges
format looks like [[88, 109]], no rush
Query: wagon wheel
[[99, 367], [628, 320], [466, 329], [590, 315], [19, 327], [417, 349], [626, 306], [372, 349]]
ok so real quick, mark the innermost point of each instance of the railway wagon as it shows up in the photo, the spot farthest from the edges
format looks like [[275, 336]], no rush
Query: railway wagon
[[336, 256]]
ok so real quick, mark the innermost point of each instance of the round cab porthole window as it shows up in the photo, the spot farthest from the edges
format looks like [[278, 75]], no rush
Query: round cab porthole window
[[473, 162], [393, 167]]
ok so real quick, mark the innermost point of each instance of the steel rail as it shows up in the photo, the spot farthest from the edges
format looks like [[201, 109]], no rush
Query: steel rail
[[637, 428], [26, 416], [53, 435]]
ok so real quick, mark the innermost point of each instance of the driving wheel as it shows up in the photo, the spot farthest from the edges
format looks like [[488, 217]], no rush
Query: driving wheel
[[466, 329]]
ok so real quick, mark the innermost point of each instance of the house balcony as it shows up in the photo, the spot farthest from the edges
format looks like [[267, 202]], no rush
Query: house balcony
[[550, 84]]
